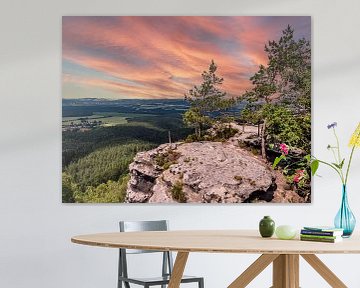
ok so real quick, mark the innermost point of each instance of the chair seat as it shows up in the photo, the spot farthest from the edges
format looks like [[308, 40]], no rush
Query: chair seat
[[158, 280]]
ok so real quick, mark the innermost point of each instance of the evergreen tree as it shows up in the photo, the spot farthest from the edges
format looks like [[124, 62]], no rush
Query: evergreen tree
[[285, 81], [69, 189], [204, 100]]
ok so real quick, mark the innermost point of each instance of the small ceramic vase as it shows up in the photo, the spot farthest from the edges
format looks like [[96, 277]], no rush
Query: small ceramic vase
[[266, 227]]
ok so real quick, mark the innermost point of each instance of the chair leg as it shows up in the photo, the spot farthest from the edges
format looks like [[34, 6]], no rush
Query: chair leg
[[119, 270], [201, 283]]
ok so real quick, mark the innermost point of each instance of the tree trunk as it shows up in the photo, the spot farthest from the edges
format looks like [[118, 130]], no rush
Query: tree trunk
[[263, 149], [169, 134], [198, 131]]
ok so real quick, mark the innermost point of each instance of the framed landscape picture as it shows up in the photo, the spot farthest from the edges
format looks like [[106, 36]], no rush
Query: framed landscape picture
[[186, 109]]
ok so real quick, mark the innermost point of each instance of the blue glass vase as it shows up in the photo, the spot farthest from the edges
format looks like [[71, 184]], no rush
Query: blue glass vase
[[345, 219]]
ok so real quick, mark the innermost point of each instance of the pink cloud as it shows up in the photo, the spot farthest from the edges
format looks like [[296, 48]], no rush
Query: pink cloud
[[163, 57]]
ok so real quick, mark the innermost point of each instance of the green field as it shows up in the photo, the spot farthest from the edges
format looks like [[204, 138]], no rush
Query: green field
[[113, 121], [68, 120], [108, 118]]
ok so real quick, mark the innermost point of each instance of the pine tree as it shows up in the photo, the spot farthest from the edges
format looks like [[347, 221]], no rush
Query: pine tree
[[286, 80], [204, 100]]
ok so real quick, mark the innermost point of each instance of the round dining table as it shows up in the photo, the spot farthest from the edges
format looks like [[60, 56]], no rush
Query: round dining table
[[283, 254]]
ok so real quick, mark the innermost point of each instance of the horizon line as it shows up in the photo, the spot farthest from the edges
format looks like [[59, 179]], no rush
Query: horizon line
[[112, 99]]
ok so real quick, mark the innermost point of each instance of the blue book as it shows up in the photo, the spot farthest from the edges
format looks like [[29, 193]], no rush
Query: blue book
[[322, 231]]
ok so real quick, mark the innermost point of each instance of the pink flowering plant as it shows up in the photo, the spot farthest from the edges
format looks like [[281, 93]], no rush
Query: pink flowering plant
[[294, 170], [284, 151], [299, 175]]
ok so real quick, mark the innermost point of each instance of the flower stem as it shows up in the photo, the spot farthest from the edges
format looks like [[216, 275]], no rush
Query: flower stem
[[339, 155], [348, 167], [338, 145], [336, 169], [336, 159]]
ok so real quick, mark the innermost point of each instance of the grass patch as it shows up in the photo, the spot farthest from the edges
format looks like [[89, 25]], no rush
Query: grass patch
[[221, 135], [165, 160], [238, 178], [177, 192], [255, 151]]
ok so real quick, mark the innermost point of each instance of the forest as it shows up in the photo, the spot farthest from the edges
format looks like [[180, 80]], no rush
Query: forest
[[96, 160]]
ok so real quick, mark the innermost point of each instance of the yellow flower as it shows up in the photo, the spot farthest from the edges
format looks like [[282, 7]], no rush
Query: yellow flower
[[355, 138]]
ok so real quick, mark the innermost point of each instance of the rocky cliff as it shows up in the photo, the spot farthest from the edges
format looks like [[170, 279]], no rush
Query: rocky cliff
[[205, 172]]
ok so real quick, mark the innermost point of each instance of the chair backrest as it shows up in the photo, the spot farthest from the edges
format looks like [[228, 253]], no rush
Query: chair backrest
[[134, 226]]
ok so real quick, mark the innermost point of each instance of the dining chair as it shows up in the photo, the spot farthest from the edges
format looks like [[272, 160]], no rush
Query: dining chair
[[167, 261]]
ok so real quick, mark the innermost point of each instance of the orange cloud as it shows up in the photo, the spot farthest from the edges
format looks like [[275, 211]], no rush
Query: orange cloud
[[163, 57]]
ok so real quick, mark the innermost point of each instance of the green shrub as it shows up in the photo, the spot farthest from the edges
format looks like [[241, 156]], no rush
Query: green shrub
[[177, 192], [193, 138], [224, 133], [238, 178], [254, 151], [109, 192], [69, 188], [165, 160], [284, 126]]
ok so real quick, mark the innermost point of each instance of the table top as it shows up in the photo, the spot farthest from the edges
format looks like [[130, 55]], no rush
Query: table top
[[216, 241]]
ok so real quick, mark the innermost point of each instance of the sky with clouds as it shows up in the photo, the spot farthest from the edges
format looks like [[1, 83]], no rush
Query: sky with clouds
[[162, 57]]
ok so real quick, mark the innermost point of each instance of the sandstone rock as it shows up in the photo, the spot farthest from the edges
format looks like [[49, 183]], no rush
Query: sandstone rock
[[209, 172]]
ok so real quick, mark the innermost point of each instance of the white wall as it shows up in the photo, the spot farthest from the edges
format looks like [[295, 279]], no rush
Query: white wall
[[35, 228]]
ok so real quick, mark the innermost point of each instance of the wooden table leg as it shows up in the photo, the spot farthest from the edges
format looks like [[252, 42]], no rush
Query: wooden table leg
[[293, 261], [286, 271], [178, 270], [279, 269], [253, 270], [324, 271]]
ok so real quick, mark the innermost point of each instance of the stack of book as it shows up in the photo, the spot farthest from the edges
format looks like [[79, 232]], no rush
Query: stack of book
[[321, 234]]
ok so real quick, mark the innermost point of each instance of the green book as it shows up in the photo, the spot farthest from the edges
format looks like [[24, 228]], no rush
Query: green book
[[319, 236], [325, 240]]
